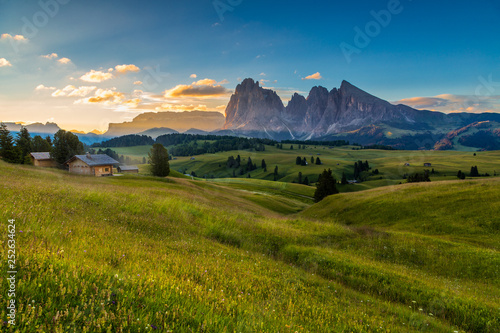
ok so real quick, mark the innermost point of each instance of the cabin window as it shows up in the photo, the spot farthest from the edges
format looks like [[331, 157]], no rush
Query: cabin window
[[106, 169]]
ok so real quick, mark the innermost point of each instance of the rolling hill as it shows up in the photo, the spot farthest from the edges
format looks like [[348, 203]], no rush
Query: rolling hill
[[137, 253]]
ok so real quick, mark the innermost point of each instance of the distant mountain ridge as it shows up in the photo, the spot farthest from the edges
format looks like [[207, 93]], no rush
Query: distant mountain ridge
[[257, 111], [178, 121]]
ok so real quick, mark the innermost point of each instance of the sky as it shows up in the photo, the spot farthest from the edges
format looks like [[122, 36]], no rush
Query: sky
[[84, 64]]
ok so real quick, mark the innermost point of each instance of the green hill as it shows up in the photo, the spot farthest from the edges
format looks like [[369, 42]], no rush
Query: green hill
[[138, 253]]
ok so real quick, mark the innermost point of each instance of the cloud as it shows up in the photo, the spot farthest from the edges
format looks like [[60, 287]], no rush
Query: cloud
[[123, 69], [224, 81], [103, 96], [315, 76], [449, 103], [64, 61], [201, 89], [132, 103], [96, 76], [5, 63], [82, 91], [138, 83], [205, 82], [424, 102], [193, 76], [175, 107], [50, 56], [221, 107], [262, 74], [17, 38], [72, 91], [42, 87]]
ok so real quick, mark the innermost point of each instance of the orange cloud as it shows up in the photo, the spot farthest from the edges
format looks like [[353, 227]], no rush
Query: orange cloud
[[132, 103], [50, 56], [123, 69], [5, 63], [315, 76], [18, 38], [138, 83], [104, 96], [193, 76], [96, 76], [175, 107], [64, 61], [202, 89], [205, 82]]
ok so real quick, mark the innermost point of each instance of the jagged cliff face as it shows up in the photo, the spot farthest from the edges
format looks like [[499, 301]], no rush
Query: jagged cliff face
[[255, 109]]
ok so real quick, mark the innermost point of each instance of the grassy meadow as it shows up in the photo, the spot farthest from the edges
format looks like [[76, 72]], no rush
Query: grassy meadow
[[390, 163], [138, 254]]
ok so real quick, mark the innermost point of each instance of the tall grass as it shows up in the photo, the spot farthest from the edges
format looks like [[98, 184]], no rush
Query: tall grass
[[133, 254]]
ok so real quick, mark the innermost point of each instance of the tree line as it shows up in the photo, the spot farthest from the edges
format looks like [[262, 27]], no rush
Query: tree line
[[17, 150]]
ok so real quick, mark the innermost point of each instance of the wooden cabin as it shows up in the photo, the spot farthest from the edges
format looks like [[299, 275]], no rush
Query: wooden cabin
[[93, 165], [128, 169], [43, 160]]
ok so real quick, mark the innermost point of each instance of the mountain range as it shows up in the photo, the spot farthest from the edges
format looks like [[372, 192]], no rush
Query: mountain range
[[346, 113]]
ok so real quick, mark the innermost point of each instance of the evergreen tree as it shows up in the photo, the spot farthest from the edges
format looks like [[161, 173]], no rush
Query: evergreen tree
[[7, 150], [238, 162], [159, 162], [304, 161], [249, 164], [263, 165], [318, 161], [66, 145], [234, 173], [291, 147], [144, 160], [306, 181], [326, 186], [344, 179], [474, 172], [459, 174], [24, 145], [41, 145], [298, 160], [276, 173], [300, 177], [312, 160]]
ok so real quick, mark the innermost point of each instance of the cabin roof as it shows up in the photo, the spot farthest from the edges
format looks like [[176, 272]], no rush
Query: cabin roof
[[128, 167], [41, 156], [94, 160]]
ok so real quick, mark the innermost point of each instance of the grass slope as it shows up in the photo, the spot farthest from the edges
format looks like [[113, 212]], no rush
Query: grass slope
[[137, 253]]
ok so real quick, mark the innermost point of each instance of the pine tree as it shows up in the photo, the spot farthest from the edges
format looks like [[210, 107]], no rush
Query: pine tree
[[344, 181], [41, 145], [263, 165], [326, 186], [7, 150], [291, 147], [306, 181], [24, 145], [300, 177], [66, 145], [318, 161], [298, 160], [276, 173], [159, 162], [312, 160]]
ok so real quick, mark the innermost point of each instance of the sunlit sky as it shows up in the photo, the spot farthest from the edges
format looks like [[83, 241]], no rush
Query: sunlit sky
[[83, 64]]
